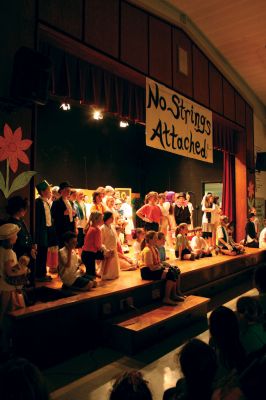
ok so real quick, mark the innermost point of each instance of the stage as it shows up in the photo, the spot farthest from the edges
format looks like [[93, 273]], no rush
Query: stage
[[78, 320]]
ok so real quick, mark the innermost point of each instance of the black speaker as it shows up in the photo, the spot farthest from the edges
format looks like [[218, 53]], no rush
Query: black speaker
[[261, 162], [30, 76]]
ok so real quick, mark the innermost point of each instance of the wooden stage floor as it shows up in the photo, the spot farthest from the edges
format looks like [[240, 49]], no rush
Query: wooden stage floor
[[193, 274]]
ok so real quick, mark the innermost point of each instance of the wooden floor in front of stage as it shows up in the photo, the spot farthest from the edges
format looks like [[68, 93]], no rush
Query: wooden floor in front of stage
[[132, 279]]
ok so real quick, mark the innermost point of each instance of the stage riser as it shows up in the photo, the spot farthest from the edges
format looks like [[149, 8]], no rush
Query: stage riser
[[207, 275], [130, 342]]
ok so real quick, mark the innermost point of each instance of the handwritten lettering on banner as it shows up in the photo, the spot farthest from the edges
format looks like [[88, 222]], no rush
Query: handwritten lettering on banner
[[177, 124]]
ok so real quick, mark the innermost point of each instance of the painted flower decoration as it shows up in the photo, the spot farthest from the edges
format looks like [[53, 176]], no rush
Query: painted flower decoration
[[12, 147], [251, 191]]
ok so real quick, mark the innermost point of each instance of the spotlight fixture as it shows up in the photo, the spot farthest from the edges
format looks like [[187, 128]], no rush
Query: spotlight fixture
[[65, 106], [123, 124], [97, 115]]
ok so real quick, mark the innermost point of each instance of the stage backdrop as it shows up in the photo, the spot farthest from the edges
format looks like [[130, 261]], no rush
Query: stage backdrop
[[177, 124]]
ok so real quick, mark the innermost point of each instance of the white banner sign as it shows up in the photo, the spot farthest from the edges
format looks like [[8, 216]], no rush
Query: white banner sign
[[177, 124]]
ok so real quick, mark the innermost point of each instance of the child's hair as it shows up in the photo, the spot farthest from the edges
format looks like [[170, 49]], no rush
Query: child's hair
[[177, 231], [149, 195], [136, 232], [107, 215], [181, 226], [67, 236], [160, 235], [197, 229], [130, 385], [94, 196], [250, 308], [161, 196], [149, 236], [207, 200], [94, 217], [15, 204]]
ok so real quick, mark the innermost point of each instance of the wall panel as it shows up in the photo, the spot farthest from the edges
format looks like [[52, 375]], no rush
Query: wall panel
[[160, 51], [240, 110], [200, 77], [181, 82], [229, 100], [64, 15], [216, 89], [101, 28], [134, 37]]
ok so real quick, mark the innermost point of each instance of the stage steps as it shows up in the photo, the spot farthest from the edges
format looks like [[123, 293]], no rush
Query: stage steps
[[131, 333]]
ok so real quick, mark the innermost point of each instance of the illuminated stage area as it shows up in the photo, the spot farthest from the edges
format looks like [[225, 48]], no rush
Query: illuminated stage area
[[82, 321]]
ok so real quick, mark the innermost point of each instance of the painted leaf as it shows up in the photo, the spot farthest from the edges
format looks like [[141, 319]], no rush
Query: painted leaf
[[2, 184], [20, 181]]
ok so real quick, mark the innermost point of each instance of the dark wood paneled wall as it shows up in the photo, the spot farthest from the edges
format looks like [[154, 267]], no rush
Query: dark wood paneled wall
[[147, 44]]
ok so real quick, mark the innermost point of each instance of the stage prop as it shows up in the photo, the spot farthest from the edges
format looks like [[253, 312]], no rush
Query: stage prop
[[12, 149], [127, 312], [176, 124]]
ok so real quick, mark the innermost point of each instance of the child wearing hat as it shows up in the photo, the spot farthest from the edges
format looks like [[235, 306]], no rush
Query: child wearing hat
[[45, 236], [12, 273], [181, 210]]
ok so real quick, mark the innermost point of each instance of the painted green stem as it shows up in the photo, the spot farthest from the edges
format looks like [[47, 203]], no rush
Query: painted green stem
[[7, 176]]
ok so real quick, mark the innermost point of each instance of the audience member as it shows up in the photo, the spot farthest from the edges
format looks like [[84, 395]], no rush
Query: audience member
[[21, 380], [131, 386], [198, 365], [252, 334], [225, 339], [260, 284]]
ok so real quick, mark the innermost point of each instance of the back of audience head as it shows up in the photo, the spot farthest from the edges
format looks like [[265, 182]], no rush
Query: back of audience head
[[198, 364], [21, 380], [249, 309], [225, 335], [130, 386], [260, 278]]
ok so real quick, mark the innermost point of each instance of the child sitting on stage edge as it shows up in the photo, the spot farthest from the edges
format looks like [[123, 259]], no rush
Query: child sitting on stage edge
[[183, 251], [199, 245], [69, 266], [153, 269]]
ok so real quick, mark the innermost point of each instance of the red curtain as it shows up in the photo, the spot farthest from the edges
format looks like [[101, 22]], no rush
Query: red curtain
[[228, 200]]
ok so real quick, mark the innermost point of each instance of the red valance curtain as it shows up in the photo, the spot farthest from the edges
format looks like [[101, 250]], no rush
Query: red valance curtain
[[73, 78]]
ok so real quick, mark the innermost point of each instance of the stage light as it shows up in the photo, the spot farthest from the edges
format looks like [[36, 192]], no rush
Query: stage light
[[123, 124], [97, 115], [65, 106]]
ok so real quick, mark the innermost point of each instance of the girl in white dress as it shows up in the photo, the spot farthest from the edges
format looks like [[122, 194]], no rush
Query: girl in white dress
[[191, 209], [138, 236], [109, 268]]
